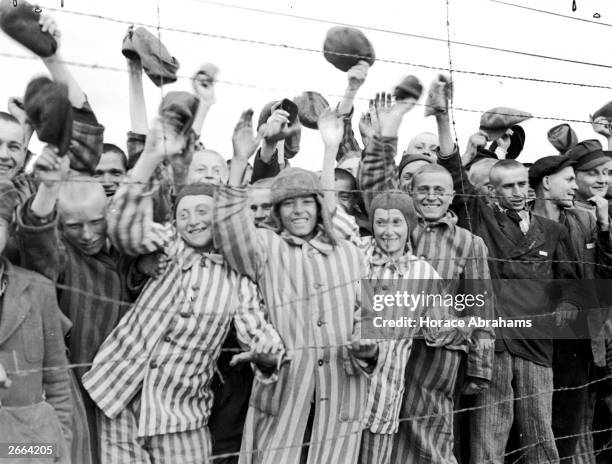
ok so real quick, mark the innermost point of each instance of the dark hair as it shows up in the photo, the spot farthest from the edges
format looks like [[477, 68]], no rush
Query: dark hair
[[109, 147], [343, 174]]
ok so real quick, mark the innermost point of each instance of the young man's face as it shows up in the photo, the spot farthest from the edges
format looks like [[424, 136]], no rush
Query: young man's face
[[208, 167], [511, 186], [299, 216], [390, 230], [432, 193], [562, 187], [260, 203], [110, 171], [194, 215], [12, 149], [408, 172], [424, 144], [593, 182], [84, 223], [344, 196]]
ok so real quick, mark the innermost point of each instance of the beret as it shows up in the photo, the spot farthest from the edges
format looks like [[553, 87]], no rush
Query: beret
[[49, 111], [409, 87], [562, 137], [498, 120], [344, 47], [587, 154], [180, 109], [21, 23], [605, 111], [547, 166], [310, 106], [158, 64]]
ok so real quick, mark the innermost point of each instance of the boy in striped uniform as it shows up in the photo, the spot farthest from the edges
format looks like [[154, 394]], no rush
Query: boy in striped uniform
[[152, 375], [310, 284]]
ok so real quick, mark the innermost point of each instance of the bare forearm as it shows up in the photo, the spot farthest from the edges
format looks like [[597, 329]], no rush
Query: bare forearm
[[61, 73], [346, 105], [327, 177], [236, 174], [447, 145], [200, 117], [44, 201], [146, 165], [138, 107]]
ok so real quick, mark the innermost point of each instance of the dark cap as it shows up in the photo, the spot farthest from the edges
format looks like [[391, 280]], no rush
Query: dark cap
[[588, 154], [407, 159], [547, 166]]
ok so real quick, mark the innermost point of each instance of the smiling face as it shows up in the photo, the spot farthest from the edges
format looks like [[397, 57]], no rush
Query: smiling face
[[390, 231], [511, 186], [12, 149], [432, 193], [207, 167], [110, 171], [561, 187], [299, 216], [194, 220], [592, 182], [424, 144]]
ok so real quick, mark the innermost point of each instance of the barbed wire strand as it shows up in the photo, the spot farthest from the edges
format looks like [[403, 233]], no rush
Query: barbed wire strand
[[295, 91], [319, 51]]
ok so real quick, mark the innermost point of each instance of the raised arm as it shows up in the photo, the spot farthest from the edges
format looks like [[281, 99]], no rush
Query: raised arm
[[138, 106], [330, 128], [39, 244], [378, 171], [234, 230], [204, 88]]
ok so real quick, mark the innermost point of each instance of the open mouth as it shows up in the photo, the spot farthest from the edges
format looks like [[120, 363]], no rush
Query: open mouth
[[299, 222]]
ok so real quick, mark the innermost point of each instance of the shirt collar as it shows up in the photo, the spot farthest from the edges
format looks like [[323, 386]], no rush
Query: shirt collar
[[319, 242], [192, 256]]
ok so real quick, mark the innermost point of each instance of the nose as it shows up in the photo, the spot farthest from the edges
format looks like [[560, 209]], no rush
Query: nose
[[574, 185], [259, 212], [87, 233], [4, 154]]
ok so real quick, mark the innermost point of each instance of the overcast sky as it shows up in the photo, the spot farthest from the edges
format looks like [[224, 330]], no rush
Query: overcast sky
[[97, 41]]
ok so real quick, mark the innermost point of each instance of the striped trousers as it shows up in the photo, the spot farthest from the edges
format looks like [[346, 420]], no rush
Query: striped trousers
[[431, 374], [120, 442], [490, 425]]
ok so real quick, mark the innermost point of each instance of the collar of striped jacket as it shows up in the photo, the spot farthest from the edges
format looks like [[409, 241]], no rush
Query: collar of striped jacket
[[401, 264], [319, 242], [449, 219], [192, 256]]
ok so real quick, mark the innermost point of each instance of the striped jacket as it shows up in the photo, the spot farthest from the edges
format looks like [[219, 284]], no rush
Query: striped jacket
[[454, 252], [386, 387], [167, 346], [311, 290]]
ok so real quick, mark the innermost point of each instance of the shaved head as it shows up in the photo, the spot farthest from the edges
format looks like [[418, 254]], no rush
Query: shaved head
[[209, 167], [82, 213]]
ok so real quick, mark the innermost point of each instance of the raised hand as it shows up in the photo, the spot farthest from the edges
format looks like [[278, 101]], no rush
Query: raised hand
[[278, 128], [390, 114], [48, 24], [357, 75], [244, 140], [50, 168], [204, 88], [331, 128], [602, 126], [164, 141]]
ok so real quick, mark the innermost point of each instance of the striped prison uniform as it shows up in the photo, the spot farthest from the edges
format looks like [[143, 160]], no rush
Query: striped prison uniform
[[312, 292], [432, 368], [164, 351], [92, 292], [386, 387]]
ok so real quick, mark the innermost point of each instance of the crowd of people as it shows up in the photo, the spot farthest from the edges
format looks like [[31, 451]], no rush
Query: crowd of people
[[159, 304]]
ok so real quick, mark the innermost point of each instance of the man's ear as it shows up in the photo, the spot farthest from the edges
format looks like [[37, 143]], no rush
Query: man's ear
[[546, 182]]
